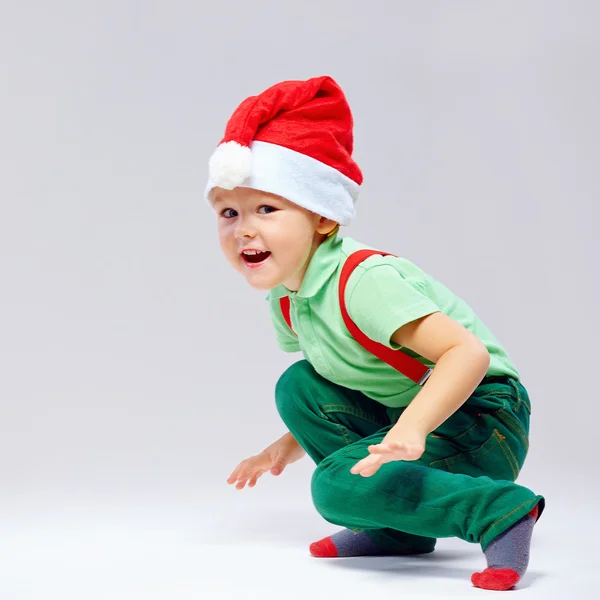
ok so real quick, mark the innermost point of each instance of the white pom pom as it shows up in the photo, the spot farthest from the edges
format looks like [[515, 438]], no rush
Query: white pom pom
[[230, 165]]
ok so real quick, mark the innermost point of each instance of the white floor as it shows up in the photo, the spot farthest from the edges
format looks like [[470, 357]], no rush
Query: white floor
[[251, 546]]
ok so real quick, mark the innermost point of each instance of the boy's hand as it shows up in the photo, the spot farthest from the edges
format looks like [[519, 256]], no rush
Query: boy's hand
[[396, 445], [275, 458]]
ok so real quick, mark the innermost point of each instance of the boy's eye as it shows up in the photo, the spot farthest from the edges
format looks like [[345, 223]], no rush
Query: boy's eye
[[266, 209], [228, 213]]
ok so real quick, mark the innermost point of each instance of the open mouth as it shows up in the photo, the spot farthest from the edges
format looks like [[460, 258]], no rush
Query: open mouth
[[255, 257]]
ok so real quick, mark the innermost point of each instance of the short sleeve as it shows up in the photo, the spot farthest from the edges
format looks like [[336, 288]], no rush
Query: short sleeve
[[380, 300], [286, 339]]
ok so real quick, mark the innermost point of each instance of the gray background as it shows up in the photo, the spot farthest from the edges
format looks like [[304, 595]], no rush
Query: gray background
[[137, 368]]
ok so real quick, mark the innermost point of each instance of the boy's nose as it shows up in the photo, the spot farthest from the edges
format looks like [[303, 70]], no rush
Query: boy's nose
[[243, 230]]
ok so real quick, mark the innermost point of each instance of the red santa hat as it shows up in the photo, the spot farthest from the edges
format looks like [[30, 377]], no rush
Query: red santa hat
[[294, 140]]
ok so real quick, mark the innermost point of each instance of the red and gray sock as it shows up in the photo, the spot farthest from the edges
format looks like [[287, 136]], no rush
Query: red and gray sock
[[507, 556], [348, 543]]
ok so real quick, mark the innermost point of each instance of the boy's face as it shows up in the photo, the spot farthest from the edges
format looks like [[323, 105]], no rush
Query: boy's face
[[268, 239]]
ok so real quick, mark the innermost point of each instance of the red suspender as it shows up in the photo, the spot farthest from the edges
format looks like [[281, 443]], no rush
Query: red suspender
[[284, 302], [405, 364]]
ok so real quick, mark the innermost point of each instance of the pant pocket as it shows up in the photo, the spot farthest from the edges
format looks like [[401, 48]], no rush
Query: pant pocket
[[515, 427], [494, 458]]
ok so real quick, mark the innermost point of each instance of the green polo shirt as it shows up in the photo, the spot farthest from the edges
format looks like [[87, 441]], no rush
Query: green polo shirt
[[383, 293]]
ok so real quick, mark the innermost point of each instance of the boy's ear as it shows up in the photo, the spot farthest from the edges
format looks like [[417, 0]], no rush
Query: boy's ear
[[326, 226]]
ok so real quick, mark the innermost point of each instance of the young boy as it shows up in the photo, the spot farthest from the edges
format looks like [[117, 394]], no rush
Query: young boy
[[412, 411]]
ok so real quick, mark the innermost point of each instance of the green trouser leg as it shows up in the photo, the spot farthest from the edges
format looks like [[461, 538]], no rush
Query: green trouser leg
[[463, 485], [324, 418]]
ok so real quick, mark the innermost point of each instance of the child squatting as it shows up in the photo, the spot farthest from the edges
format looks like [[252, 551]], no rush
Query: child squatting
[[413, 412]]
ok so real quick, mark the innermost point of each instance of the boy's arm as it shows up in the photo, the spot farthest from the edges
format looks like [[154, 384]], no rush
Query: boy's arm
[[461, 363], [407, 316]]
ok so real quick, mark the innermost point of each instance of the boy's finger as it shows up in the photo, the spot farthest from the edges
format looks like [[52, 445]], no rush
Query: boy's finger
[[278, 465], [400, 449], [368, 466], [369, 471], [236, 472], [254, 478], [380, 449], [365, 463], [233, 477], [410, 452], [415, 453], [358, 467], [242, 475]]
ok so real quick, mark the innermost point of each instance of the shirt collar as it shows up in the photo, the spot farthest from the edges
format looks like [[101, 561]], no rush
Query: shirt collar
[[322, 266]]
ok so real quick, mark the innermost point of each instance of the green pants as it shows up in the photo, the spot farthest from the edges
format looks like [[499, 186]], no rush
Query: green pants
[[463, 485]]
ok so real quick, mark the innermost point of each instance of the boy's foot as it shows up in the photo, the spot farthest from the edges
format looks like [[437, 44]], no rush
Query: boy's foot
[[507, 556], [348, 543]]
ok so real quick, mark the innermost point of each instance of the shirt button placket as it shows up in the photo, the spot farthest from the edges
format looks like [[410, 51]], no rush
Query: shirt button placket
[[313, 350]]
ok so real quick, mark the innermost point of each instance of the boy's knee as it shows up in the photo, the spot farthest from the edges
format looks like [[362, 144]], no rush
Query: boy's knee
[[323, 495], [290, 390], [329, 489]]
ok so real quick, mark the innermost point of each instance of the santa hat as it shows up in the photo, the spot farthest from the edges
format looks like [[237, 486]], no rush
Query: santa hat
[[294, 140]]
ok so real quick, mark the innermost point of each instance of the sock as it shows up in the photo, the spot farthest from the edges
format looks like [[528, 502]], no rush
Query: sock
[[347, 543], [507, 556]]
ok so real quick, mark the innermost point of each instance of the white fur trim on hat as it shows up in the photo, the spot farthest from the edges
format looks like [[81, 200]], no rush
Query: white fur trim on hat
[[300, 179], [230, 165]]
